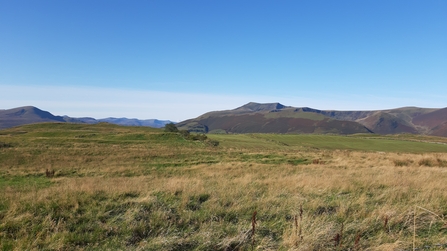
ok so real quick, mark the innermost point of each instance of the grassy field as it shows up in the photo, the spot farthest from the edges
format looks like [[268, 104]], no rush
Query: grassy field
[[106, 187]]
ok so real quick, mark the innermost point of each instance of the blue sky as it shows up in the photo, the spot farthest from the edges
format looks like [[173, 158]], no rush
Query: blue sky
[[178, 59]]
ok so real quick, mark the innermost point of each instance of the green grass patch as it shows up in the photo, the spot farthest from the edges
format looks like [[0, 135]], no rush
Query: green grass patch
[[24, 182], [270, 159], [331, 142]]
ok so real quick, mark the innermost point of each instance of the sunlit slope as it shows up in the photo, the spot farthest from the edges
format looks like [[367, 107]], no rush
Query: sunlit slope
[[304, 141], [277, 118], [84, 135], [269, 118]]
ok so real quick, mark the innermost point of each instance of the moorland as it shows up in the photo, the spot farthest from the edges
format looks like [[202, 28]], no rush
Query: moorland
[[70, 186], [277, 118]]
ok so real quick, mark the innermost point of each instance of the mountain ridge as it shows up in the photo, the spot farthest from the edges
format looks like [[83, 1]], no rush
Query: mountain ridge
[[270, 118], [30, 115], [409, 119]]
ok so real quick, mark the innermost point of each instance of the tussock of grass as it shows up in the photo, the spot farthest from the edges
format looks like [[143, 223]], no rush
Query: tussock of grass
[[432, 162], [403, 162], [5, 145]]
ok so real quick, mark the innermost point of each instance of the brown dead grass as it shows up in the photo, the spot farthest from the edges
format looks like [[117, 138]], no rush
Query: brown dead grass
[[356, 189]]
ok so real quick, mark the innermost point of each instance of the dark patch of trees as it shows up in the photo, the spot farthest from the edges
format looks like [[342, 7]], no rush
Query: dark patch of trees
[[188, 136], [170, 127]]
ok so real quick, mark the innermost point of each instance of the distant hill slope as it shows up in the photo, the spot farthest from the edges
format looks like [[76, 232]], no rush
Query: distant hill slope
[[270, 118], [431, 119], [136, 122], [434, 122], [30, 115], [26, 115], [277, 118]]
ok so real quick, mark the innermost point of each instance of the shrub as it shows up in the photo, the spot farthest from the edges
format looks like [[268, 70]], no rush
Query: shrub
[[426, 162], [199, 137], [433, 162], [213, 142], [318, 161], [404, 162], [441, 162], [171, 128], [49, 173], [185, 133]]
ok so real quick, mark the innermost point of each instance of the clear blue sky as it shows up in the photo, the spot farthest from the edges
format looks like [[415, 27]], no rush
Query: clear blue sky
[[178, 59]]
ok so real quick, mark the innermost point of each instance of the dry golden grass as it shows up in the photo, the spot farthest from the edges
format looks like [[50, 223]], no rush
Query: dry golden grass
[[192, 197], [359, 191]]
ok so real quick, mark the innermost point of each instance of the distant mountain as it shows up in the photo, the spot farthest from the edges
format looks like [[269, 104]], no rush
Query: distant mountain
[[136, 122], [30, 115], [270, 118], [26, 115], [434, 122], [277, 118]]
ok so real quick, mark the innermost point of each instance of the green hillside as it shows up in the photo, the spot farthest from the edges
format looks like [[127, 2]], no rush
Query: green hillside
[[332, 142]]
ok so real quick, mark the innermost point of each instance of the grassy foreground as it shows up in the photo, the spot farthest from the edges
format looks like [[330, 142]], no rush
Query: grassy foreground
[[135, 188]]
